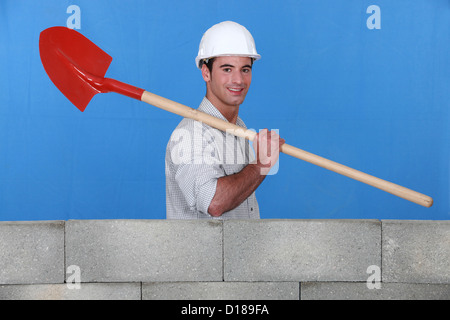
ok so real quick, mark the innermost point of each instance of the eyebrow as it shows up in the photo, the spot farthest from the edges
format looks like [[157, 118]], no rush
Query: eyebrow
[[231, 66]]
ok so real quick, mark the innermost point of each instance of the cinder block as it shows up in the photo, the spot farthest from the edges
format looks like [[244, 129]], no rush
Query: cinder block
[[145, 250], [32, 252], [301, 250], [416, 251], [360, 291], [87, 291], [220, 291]]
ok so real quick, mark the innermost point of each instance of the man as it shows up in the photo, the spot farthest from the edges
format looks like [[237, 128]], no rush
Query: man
[[211, 174]]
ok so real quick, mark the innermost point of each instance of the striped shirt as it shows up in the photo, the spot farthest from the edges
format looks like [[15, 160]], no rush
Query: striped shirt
[[197, 155]]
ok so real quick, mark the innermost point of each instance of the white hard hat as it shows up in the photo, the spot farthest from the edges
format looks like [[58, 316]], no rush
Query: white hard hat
[[227, 38]]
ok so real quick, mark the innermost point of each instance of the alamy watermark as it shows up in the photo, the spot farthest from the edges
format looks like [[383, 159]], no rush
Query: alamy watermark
[[374, 280], [203, 145], [74, 279]]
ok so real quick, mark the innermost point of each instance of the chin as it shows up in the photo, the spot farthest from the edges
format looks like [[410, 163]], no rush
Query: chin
[[236, 101]]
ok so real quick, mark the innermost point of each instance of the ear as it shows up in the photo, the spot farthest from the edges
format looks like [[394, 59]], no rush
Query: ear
[[205, 73]]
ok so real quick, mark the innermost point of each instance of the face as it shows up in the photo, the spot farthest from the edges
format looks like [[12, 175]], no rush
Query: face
[[229, 81]]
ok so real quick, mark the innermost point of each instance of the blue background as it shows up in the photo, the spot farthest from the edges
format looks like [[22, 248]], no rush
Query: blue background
[[376, 100]]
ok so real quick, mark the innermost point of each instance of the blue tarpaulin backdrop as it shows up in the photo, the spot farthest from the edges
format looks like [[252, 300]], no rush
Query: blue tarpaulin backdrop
[[363, 83]]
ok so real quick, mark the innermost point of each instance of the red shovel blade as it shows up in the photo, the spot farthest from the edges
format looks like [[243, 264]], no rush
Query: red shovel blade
[[67, 55]]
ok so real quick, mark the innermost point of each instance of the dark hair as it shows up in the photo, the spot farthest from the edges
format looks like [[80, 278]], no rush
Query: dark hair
[[208, 62]]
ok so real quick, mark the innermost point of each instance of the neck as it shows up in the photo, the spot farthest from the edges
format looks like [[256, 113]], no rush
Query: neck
[[230, 112]]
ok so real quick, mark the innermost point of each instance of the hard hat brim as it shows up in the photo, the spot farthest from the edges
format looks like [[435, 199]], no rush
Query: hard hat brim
[[198, 59]]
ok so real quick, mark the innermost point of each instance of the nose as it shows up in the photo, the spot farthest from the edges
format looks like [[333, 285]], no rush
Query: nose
[[236, 78]]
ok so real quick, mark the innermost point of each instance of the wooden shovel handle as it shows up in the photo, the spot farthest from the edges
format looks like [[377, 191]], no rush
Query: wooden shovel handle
[[384, 185], [222, 125], [194, 114]]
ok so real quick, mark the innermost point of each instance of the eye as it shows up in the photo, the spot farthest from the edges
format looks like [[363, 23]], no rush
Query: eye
[[226, 70], [247, 70]]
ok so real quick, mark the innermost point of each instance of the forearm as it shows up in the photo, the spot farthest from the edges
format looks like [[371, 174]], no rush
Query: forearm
[[232, 190]]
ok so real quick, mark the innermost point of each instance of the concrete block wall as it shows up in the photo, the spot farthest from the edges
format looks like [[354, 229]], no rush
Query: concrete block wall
[[231, 260]]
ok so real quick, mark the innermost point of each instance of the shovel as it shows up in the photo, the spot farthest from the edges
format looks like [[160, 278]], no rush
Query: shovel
[[77, 68]]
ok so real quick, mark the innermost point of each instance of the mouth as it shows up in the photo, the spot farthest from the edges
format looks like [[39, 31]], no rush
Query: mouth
[[235, 90]]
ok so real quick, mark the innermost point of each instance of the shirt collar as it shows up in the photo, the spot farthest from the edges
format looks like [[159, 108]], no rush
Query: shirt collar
[[207, 107]]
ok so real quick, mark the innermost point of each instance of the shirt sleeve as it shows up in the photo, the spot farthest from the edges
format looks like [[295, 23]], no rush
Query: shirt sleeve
[[198, 184], [197, 168]]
